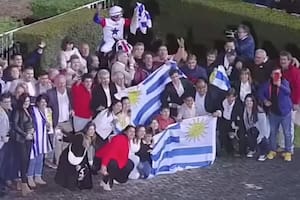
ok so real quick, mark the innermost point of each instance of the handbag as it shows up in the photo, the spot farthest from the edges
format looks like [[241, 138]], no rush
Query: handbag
[[74, 160]]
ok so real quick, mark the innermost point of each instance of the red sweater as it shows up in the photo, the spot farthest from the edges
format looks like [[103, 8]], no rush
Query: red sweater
[[117, 149], [292, 75], [164, 123], [81, 101]]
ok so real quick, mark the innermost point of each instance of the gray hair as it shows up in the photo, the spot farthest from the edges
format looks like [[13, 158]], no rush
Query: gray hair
[[261, 51], [103, 72]]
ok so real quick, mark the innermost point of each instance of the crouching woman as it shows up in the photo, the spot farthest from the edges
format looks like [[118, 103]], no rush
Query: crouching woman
[[114, 162]]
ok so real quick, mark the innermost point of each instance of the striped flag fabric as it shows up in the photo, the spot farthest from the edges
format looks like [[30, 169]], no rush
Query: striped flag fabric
[[41, 143], [141, 19], [145, 97], [123, 45], [219, 78], [185, 145]]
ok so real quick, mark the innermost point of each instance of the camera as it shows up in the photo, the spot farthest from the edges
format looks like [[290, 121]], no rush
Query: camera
[[231, 33]]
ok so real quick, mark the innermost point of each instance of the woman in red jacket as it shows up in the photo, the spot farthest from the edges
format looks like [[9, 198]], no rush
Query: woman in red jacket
[[113, 156]]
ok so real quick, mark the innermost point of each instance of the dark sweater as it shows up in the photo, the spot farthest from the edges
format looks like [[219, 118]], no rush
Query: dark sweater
[[144, 153]]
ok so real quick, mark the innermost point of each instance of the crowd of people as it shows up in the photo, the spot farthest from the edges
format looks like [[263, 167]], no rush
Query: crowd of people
[[67, 118]]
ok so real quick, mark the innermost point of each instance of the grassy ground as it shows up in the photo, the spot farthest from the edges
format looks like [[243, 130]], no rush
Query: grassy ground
[[297, 136]]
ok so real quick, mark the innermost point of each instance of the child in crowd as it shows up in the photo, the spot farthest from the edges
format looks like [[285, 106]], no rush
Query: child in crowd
[[164, 119], [154, 127], [144, 153], [187, 109]]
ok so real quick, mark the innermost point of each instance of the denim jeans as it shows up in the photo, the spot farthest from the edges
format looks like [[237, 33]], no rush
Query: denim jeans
[[263, 146], [36, 166], [280, 137], [11, 167], [144, 168], [285, 122]]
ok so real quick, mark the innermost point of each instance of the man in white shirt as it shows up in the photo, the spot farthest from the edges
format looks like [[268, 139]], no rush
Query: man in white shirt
[[202, 99], [61, 104]]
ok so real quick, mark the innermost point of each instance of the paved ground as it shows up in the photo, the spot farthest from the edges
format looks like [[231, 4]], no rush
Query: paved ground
[[227, 179]]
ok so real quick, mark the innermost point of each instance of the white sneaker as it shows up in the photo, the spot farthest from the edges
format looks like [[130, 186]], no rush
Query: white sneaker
[[31, 182], [251, 154], [39, 180], [262, 158], [105, 186], [116, 182]]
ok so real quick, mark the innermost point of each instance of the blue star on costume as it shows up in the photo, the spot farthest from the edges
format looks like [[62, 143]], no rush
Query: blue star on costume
[[115, 31]]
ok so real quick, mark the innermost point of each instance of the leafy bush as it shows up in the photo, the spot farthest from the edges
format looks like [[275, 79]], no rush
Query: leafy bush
[[78, 24], [44, 8], [203, 23], [7, 24]]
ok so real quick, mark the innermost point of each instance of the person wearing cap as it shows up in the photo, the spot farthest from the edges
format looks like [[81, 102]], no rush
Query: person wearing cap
[[113, 27]]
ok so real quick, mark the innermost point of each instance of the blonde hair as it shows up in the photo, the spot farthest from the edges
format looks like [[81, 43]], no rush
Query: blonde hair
[[248, 72]]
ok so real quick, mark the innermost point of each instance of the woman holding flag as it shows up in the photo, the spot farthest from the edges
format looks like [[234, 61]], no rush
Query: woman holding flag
[[41, 143]]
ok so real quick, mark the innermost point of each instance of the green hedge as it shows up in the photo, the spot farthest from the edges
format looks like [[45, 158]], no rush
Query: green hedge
[[77, 24], [7, 24], [47, 8], [203, 22]]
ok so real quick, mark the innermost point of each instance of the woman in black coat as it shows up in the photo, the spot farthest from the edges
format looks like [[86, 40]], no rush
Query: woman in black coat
[[174, 91], [24, 130], [244, 85], [73, 170]]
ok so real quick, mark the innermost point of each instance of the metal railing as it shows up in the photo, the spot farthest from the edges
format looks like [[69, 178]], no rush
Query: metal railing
[[7, 44]]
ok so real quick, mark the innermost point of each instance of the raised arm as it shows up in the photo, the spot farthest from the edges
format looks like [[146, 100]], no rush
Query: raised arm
[[97, 18], [181, 53]]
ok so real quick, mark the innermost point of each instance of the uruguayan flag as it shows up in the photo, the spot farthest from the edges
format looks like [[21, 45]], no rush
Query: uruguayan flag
[[145, 97], [141, 19], [219, 78], [185, 145]]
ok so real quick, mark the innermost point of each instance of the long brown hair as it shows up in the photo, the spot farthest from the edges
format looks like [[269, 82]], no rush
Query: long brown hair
[[246, 71], [85, 137]]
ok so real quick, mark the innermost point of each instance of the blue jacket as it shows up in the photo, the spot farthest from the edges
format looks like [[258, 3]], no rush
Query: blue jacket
[[246, 48], [284, 96], [194, 74]]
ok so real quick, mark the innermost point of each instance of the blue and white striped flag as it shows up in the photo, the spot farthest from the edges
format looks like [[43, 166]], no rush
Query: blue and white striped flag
[[145, 97], [185, 145], [219, 78], [141, 19]]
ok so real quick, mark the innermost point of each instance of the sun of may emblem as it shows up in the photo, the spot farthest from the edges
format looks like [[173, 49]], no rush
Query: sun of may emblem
[[134, 96], [195, 131]]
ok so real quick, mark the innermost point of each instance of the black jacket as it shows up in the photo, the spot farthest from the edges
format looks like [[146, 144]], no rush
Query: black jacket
[[99, 96], [53, 104], [213, 99], [237, 86], [21, 124], [170, 95]]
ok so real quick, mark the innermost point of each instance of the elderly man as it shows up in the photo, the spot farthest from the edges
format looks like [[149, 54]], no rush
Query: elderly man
[[124, 64], [103, 92], [262, 67], [60, 102]]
